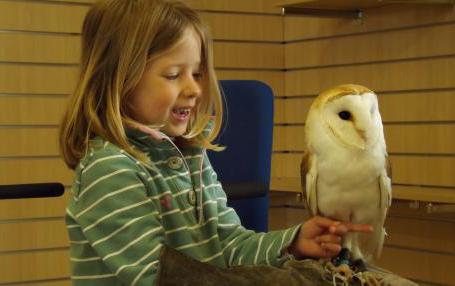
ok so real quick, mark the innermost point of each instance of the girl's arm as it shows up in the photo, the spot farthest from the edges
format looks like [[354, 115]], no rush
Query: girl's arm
[[242, 246], [245, 247]]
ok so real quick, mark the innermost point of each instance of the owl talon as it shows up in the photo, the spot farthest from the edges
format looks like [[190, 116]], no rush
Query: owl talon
[[359, 265], [343, 257]]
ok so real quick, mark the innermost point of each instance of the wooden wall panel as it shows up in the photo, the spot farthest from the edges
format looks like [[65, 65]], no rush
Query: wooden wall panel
[[46, 234], [408, 170], [420, 138], [419, 106], [37, 79], [424, 170], [31, 110], [286, 165], [410, 232], [429, 235], [84, 2], [57, 49], [19, 142], [396, 76], [26, 209], [257, 6], [49, 17], [42, 17], [428, 267], [47, 265], [251, 55], [244, 27], [30, 170], [38, 48], [291, 110], [273, 78], [54, 282], [438, 195], [39, 56], [378, 19], [402, 252], [375, 47], [406, 54]]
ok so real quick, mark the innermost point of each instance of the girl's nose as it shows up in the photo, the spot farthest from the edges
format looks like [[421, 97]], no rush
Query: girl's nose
[[193, 88]]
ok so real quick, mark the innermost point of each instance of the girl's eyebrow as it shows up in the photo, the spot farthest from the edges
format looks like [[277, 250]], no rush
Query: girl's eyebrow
[[179, 65]]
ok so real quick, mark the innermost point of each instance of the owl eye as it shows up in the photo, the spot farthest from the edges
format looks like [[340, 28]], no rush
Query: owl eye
[[345, 115]]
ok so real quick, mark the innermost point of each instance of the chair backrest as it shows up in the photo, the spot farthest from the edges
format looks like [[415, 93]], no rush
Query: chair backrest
[[244, 167]]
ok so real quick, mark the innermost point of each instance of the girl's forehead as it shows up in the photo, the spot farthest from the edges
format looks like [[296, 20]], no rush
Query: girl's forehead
[[187, 51]]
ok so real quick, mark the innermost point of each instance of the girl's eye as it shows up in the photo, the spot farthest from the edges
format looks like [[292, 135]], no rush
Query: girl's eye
[[172, 76]]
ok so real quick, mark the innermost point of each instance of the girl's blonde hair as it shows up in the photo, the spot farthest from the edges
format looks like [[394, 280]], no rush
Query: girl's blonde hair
[[119, 38]]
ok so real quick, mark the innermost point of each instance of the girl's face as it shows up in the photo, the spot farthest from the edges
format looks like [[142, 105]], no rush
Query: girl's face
[[170, 87]]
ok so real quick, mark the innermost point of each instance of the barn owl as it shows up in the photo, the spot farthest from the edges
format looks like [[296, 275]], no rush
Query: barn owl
[[344, 171]]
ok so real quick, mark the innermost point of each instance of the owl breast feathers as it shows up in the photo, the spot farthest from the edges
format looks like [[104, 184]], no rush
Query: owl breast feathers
[[345, 171]]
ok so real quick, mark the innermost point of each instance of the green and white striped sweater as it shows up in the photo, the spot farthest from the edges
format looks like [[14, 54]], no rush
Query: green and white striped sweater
[[121, 212]]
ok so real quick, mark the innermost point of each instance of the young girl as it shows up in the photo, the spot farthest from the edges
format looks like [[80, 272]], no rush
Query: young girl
[[135, 133]]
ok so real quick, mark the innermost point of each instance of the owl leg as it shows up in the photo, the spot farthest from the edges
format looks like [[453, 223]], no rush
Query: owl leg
[[355, 249], [344, 257], [357, 262]]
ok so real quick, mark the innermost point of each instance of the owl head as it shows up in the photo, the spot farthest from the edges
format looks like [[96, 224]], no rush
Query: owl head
[[346, 115]]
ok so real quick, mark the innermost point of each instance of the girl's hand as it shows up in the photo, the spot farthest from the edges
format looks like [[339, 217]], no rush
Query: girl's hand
[[320, 237]]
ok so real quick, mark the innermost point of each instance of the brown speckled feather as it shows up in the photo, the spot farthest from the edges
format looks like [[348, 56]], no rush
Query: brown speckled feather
[[305, 166]]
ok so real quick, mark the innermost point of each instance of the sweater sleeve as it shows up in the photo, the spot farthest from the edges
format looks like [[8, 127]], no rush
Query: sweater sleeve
[[246, 247], [118, 219]]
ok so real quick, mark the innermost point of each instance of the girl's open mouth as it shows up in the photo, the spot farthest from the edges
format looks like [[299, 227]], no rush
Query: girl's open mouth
[[181, 114]]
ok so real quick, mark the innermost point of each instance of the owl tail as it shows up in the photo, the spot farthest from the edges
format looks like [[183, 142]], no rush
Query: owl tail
[[372, 244]]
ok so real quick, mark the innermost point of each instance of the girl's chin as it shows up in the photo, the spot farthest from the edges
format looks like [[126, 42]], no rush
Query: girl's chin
[[174, 131]]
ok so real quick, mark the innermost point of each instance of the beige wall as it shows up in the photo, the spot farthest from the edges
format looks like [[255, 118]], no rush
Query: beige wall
[[405, 53], [39, 53]]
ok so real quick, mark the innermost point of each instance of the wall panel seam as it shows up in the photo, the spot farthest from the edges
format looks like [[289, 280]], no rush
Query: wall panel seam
[[212, 11], [32, 219], [68, 34], [397, 154], [402, 28], [351, 64], [390, 92], [20, 126], [415, 249], [15, 63], [51, 2], [33, 282], [10, 158]]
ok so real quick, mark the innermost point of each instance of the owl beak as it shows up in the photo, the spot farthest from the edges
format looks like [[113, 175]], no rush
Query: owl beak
[[361, 144]]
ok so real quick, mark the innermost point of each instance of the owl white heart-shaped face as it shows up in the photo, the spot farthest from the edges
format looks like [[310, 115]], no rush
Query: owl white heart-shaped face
[[353, 120]]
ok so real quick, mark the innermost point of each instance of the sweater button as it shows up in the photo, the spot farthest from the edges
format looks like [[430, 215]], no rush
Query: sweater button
[[192, 197], [175, 162]]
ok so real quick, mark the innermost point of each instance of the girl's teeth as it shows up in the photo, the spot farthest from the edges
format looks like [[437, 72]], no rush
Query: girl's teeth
[[182, 111]]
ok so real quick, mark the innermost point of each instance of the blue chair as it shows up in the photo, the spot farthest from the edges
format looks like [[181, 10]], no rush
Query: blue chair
[[243, 167]]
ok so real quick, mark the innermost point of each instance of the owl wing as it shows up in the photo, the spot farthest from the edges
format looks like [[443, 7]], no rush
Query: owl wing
[[385, 184], [385, 187], [308, 176]]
